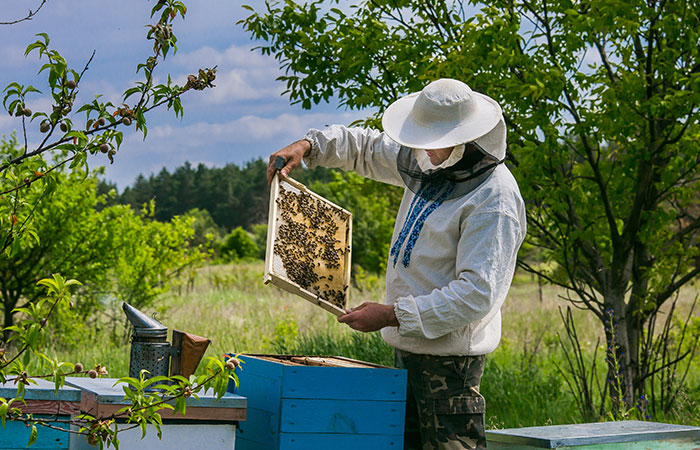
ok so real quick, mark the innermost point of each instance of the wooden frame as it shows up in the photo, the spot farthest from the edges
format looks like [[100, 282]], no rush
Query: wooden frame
[[279, 279]]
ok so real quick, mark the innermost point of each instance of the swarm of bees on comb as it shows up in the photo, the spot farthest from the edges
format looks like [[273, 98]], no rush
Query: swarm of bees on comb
[[311, 246]]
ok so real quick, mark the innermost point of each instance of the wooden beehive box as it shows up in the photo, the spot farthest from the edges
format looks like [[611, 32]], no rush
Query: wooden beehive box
[[304, 402], [44, 402], [308, 245], [620, 435]]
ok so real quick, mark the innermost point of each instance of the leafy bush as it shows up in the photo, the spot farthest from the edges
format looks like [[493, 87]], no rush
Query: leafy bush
[[238, 245]]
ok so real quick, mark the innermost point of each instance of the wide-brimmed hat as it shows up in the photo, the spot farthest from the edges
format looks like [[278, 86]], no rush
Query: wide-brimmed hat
[[444, 114]]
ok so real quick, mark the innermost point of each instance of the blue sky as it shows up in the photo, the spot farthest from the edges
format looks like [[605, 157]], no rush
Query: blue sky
[[243, 118]]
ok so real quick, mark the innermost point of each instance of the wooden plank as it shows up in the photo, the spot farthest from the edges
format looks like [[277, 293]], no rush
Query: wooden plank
[[103, 410], [101, 398], [49, 407], [261, 384], [245, 444], [344, 383], [15, 435], [261, 427], [272, 214], [341, 416], [319, 441]]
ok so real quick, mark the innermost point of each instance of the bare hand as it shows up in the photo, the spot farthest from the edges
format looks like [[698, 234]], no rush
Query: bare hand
[[370, 317], [292, 154]]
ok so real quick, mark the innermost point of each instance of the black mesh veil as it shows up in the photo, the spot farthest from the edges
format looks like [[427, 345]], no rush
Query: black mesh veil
[[450, 182]]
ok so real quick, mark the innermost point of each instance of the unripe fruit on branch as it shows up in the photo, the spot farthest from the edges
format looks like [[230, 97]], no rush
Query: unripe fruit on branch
[[78, 367], [64, 127], [27, 112], [92, 373], [104, 148], [126, 121], [44, 127], [101, 121], [70, 84]]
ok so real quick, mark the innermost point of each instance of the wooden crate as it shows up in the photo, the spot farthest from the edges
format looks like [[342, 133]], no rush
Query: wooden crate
[[309, 245], [302, 402], [622, 435]]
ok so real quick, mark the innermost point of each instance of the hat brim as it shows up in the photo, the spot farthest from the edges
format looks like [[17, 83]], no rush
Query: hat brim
[[400, 126]]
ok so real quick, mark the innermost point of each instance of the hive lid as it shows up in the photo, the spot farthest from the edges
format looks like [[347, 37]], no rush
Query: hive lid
[[555, 436]]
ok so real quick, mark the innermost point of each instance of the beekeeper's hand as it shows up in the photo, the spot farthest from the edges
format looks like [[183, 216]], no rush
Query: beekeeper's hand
[[370, 317], [292, 154]]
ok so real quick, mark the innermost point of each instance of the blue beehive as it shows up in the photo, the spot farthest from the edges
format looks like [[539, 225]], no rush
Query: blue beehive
[[41, 400], [301, 402]]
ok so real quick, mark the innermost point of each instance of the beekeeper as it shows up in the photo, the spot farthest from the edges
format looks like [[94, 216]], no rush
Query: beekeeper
[[453, 250]]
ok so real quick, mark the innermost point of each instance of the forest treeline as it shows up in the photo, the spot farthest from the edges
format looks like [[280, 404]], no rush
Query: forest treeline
[[234, 196], [229, 206]]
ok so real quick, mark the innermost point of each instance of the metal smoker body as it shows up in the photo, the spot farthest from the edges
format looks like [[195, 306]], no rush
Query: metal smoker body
[[151, 351]]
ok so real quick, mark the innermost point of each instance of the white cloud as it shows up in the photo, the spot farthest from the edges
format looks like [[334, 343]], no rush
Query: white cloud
[[235, 55], [241, 73], [246, 129]]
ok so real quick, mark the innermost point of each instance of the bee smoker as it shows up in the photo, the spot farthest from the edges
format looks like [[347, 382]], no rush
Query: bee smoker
[[151, 351]]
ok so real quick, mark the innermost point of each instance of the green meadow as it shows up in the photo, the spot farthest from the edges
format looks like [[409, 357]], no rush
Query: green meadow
[[525, 381]]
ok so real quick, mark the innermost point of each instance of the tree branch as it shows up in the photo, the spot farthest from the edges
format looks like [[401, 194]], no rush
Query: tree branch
[[29, 15]]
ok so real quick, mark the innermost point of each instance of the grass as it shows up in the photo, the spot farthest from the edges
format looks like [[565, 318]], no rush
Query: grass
[[522, 383]]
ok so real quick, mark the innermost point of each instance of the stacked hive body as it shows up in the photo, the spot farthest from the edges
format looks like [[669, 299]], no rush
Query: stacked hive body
[[320, 403], [308, 245], [44, 402]]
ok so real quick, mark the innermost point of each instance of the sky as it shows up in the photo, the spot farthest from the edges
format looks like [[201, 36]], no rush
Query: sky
[[244, 117]]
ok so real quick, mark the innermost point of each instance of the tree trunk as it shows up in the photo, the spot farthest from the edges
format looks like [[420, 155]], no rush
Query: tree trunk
[[622, 348]]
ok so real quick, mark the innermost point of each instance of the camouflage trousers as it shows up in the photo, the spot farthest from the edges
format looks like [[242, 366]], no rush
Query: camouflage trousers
[[444, 409]]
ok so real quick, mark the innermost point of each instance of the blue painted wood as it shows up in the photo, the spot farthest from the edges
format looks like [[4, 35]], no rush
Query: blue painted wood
[[342, 416], [586, 434], [245, 444], [16, 435], [292, 400], [42, 390], [261, 383], [108, 393], [318, 441], [344, 383], [260, 426]]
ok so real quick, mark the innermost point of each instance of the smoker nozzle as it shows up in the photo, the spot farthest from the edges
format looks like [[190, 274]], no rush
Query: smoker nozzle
[[141, 321]]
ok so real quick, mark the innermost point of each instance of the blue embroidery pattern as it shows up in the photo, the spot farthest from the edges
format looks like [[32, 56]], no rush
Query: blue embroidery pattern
[[419, 224], [413, 220], [419, 201]]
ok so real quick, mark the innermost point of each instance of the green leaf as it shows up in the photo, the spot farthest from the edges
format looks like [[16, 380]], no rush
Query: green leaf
[[32, 436], [4, 406]]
